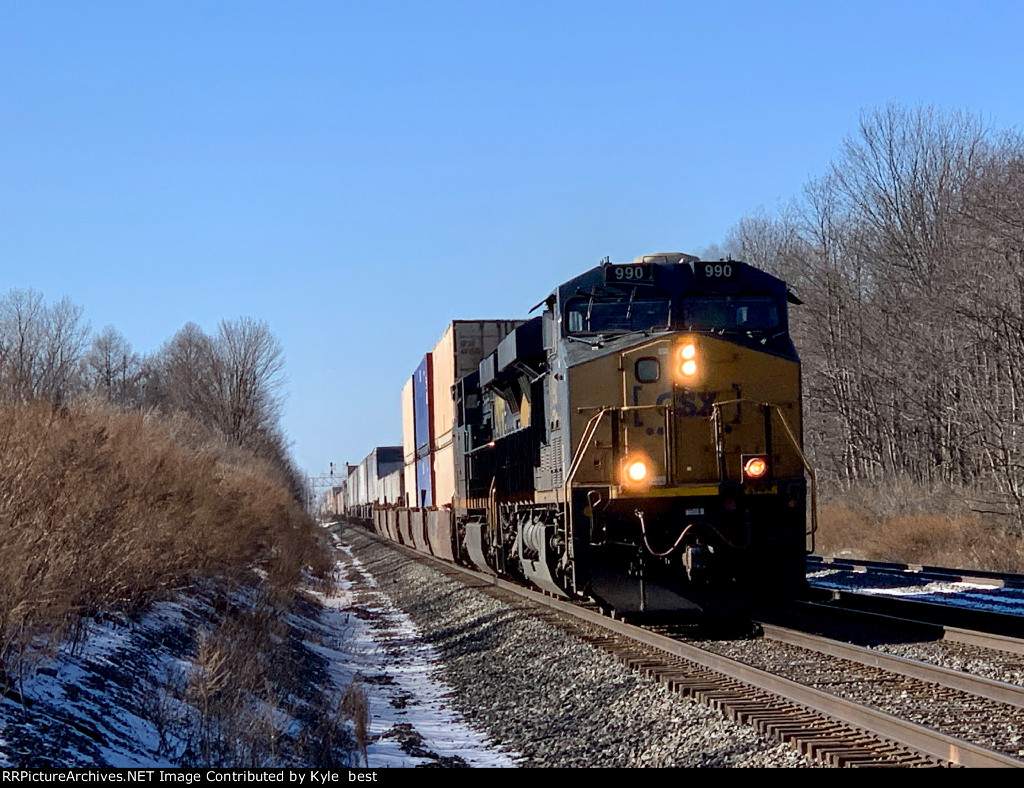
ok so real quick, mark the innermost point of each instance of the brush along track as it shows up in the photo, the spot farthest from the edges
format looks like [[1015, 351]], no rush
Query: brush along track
[[835, 730]]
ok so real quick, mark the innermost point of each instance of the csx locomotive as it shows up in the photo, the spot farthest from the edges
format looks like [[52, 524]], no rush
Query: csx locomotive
[[637, 443]]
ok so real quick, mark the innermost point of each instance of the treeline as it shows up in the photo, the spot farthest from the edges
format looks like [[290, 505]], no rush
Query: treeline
[[909, 257], [125, 477], [230, 382]]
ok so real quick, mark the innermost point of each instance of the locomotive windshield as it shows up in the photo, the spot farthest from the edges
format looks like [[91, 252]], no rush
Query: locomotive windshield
[[745, 313], [603, 314]]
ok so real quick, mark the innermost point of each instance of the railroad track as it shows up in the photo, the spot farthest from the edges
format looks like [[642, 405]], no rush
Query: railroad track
[[921, 571], [811, 714], [994, 604], [863, 625]]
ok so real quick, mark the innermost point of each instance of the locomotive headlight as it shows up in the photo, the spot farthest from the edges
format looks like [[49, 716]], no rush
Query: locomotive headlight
[[636, 471], [688, 357]]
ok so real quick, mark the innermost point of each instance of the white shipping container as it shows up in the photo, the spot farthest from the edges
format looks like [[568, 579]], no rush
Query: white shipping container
[[354, 487], [409, 475], [444, 475], [393, 488], [380, 462], [408, 424]]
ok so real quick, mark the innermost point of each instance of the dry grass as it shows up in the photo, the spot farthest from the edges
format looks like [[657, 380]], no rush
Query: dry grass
[[107, 510], [908, 524], [255, 695], [356, 707]]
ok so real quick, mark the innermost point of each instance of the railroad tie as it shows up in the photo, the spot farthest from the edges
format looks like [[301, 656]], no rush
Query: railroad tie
[[760, 715], [813, 743], [689, 685]]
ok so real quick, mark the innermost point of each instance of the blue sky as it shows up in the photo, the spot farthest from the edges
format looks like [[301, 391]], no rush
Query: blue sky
[[357, 174]]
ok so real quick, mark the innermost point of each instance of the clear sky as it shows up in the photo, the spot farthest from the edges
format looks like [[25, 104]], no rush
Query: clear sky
[[358, 174]]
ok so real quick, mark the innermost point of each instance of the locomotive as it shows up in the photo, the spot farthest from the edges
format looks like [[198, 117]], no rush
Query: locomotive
[[637, 443]]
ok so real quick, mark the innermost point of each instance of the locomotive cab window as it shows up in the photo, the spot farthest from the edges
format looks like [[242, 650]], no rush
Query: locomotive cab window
[[605, 314], [648, 369], [745, 313]]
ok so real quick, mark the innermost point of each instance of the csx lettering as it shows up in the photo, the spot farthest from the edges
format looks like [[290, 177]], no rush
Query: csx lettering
[[695, 403]]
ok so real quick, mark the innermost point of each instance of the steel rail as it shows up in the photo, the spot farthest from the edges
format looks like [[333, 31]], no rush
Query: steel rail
[[998, 691], [960, 621], [944, 632], [878, 723], [980, 576]]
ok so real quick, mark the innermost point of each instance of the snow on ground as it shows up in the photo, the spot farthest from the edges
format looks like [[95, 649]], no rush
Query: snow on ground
[[85, 707], [408, 704], [976, 596], [106, 702]]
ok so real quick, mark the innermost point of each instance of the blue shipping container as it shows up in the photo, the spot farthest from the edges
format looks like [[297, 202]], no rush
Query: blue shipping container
[[422, 383], [424, 482]]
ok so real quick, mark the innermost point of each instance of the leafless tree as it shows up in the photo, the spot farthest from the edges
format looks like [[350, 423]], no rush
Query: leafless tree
[[41, 347], [248, 379], [909, 256], [112, 368], [231, 382], [188, 369]]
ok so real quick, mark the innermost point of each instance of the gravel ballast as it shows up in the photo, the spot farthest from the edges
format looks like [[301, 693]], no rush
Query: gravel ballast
[[544, 694]]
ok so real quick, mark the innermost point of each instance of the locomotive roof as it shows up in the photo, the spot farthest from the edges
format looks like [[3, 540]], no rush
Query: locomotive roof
[[676, 278], [676, 275]]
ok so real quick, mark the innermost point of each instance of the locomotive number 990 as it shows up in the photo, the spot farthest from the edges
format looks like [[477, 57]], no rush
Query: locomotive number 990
[[716, 271], [629, 273]]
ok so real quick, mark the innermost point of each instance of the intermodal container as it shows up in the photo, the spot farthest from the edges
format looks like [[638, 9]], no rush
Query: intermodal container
[[393, 488], [422, 394], [444, 475], [408, 423], [457, 354], [409, 486], [424, 481]]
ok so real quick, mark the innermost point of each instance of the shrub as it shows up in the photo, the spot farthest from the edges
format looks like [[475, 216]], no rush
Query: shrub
[[102, 509]]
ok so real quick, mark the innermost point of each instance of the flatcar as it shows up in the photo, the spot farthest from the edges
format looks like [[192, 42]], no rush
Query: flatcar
[[637, 443]]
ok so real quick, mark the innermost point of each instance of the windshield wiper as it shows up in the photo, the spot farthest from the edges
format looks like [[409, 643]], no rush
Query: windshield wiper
[[595, 343]]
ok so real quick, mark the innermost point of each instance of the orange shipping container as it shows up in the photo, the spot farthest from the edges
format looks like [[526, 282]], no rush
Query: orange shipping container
[[458, 353]]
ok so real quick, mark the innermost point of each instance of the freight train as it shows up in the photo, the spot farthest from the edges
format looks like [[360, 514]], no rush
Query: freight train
[[637, 443]]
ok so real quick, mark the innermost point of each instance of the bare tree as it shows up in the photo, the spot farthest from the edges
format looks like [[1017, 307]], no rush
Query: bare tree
[[41, 347], [249, 377], [188, 372], [909, 256], [113, 368], [231, 382]]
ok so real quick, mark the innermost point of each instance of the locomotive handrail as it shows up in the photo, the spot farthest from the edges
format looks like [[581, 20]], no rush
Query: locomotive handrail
[[716, 407], [807, 466], [577, 460], [607, 408], [581, 449]]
